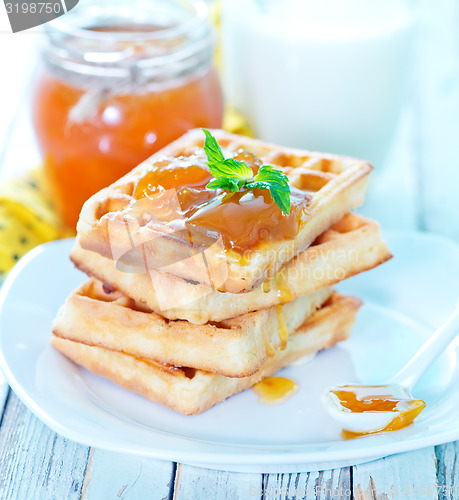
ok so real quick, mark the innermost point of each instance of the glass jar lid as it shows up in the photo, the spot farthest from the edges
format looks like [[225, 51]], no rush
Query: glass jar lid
[[134, 42]]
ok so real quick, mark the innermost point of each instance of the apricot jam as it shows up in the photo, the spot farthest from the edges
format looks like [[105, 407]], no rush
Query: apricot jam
[[361, 400], [243, 220], [187, 178], [110, 96], [275, 390], [283, 330]]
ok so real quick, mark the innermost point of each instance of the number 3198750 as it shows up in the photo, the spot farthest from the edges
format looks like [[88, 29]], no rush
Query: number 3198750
[[34, 8]]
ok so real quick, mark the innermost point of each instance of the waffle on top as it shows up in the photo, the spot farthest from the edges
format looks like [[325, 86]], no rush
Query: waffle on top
[[118, 224]]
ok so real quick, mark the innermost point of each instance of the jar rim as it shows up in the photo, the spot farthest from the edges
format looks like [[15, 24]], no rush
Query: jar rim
[[198, 16], [177, 41]]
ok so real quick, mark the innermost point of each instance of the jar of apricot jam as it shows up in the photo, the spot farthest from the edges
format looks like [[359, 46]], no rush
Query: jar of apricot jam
[[120, 82]]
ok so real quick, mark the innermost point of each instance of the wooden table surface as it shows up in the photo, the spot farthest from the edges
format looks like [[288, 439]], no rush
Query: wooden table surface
[[418, 189]]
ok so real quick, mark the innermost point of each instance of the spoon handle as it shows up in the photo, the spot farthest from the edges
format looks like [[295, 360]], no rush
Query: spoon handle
[[430, 350]]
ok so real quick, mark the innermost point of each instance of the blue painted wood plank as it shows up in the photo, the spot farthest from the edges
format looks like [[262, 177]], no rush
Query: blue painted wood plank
[[195, 483], [34, 461], [405, 475], [448, 470], [127, 477], [318, 485]]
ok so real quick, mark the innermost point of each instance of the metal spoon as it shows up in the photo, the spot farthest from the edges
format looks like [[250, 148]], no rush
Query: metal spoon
[[365, 411]]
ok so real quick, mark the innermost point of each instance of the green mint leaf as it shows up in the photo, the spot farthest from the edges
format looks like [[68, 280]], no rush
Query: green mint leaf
[[277, 183], [233, 175], [281, 197], [212, 149], [225, 183], [221, 167], [279, 193], [232, 168], [267, 173]]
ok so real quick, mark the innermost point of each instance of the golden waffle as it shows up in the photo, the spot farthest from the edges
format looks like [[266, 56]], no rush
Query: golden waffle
[[117, 226], [235, 347], [352, 245], [191, 391]]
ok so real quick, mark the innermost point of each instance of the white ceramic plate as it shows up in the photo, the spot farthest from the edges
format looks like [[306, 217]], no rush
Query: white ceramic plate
[[404, 299]]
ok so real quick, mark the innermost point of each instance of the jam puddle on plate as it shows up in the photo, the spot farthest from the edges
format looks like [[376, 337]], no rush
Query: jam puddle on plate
[[275, 390]]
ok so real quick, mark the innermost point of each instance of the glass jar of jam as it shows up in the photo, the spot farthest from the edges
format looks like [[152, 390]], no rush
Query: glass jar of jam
[[120, 82]]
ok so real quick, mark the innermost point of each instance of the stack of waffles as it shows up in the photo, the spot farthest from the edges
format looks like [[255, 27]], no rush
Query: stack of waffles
[[195, 295]]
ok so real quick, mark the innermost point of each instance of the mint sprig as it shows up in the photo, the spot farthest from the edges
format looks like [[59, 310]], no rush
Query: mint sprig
[[234, 175]]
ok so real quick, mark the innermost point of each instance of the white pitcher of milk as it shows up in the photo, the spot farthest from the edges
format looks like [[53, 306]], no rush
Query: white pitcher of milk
[[324, 75]]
